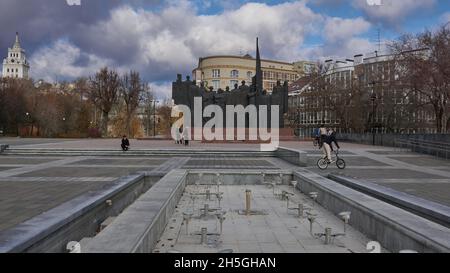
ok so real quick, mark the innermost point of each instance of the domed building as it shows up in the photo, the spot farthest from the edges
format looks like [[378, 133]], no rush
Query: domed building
[[225, 71]]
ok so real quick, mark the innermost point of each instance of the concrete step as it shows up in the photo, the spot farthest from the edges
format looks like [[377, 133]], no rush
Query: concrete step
[[106, 223], [105, 152]]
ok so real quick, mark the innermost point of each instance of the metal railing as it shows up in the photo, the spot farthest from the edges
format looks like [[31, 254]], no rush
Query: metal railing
[[439, 149]]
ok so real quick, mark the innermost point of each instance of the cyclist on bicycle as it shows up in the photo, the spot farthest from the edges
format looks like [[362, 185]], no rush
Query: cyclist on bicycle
[[329, 139], [332, 137]]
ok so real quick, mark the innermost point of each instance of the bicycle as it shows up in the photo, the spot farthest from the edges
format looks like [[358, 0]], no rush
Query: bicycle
[[323, 163]]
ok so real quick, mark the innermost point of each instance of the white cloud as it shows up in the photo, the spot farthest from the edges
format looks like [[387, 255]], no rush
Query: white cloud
[[161, 90], [445, 18], [73, 2], [392, 12], [338, 29], [60, 60]]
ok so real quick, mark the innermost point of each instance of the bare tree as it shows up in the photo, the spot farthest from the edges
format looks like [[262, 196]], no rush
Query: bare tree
[[104, 92], [424, 63], [12, 104], [147, 104], [131, 88]]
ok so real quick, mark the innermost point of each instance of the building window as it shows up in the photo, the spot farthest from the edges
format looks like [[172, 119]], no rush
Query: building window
[[17, 70], [216, 73], [233, 82], [7, 70], [234, 74], [215, 84]]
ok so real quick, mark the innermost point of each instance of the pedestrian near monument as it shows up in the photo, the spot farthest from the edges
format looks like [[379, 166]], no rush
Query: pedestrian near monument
[[125, 143], [186, 136]]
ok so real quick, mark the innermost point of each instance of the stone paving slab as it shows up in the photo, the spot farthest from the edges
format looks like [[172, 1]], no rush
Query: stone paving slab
[[350, 161], [24, 160], [56, 179], [81, 172], [20, 201], [15, 141], [3, 168], [424, 160], [227, 163], [319, 152], [121, 161], [386, 173], [437, 192], [393, 151]]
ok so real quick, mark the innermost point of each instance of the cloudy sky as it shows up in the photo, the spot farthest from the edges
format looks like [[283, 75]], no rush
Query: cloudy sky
[[162, 38]]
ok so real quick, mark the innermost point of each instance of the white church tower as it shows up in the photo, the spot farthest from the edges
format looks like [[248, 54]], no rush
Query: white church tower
[[15, 65]]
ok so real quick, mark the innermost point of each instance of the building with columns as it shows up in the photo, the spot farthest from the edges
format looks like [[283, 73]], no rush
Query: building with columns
[[15, 65]]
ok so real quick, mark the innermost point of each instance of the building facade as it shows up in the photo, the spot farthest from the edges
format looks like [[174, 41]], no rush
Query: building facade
[[361, 95], [305, 68], [15, 65], [310, 102], [227, 71]]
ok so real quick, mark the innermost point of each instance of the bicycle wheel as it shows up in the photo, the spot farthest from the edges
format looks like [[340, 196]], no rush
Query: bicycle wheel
[[340, 163], [322, 164]]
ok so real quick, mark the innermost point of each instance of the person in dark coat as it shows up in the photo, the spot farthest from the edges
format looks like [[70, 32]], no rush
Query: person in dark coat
[[332, 139], [125, 143]]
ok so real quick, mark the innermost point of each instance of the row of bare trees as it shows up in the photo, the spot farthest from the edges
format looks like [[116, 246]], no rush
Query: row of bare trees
[[108, 90], [42, 109], [406, 91], [71, 109], [424, 64]]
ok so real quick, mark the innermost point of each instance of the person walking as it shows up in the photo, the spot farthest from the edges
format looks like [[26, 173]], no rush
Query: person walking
[[322, 135], [316, 135], [186, 136], [178, 138]]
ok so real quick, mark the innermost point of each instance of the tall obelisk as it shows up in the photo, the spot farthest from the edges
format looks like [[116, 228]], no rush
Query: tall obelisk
[[259, 74]]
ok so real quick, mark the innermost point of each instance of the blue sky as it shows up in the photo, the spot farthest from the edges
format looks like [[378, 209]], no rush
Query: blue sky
[[162, 38]]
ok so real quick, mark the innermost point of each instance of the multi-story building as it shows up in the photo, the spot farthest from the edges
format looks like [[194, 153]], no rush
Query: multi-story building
[[396, 108], [308, 109], [305, 68], [361, 95], [15, 65], [226, 71]]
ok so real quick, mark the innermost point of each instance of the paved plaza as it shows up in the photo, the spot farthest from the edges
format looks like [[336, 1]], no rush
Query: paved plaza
[[32, 184]]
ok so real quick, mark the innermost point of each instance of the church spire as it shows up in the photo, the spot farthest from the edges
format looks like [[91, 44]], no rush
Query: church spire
[[17, 43], [259, 78]]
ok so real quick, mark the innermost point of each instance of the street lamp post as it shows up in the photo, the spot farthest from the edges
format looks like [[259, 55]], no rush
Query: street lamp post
[[28, 120], [373, 98], [154, 116], [64, 124]]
